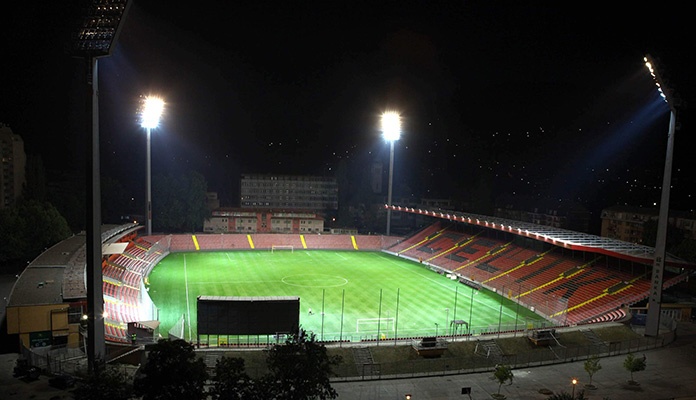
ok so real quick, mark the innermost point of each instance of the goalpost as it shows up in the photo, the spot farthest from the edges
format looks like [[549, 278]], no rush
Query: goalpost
[[375, 324], [177, 331], [277, 247]]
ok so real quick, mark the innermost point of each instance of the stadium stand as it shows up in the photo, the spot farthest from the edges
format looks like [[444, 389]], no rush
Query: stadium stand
[[182, 243], [212, 242], [567, 286], [268, 240], [422, 236], [337, 242], [374, 242], [552, 282]]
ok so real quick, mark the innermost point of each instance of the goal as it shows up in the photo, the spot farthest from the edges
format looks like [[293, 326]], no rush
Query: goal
[[375, 324], [277, 247]]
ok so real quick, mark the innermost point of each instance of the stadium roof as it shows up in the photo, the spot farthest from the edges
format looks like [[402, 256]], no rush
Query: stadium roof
[[556, 236], [57, 275]]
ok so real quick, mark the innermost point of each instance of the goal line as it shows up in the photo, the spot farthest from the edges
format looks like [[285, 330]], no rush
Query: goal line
[[375, 324], [277, 247]]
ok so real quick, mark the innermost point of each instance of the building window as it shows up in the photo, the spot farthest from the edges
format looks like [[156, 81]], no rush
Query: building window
[[74, 315]]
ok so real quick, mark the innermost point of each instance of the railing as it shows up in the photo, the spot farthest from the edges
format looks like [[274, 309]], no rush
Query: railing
[[476, 363]]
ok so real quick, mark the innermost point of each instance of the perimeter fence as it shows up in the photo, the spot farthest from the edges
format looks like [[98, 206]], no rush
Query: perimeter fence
[[484, 355]]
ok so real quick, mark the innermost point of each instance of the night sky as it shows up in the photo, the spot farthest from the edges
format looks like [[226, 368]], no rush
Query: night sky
[[541, 99]]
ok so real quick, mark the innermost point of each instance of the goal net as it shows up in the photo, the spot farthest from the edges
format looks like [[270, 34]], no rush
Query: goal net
[[375, 324], [177, 331], [276, 247]]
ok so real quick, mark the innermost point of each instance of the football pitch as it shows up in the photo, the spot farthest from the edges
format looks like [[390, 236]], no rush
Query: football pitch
[[352, 295]]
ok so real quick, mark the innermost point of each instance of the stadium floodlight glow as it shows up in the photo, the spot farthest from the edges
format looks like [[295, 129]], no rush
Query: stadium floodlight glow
[[652, 322], [391, 131], [391, 126], [666, 92], [152, 110]]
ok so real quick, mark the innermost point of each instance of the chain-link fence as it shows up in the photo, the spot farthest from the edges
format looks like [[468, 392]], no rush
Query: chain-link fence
[[483, 360]]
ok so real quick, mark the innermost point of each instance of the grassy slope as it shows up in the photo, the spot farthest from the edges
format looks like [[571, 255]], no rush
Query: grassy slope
[[460, 356]]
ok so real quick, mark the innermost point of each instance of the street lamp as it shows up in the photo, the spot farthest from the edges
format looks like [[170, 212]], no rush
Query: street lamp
[[152, 110], [391, 131], [652, 322], [574, 382]]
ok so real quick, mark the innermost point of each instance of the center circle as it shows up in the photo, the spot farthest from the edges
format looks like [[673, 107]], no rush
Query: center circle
[[314, 280]]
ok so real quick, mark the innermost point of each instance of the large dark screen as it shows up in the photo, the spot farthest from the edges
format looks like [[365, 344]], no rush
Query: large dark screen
[[247, 315]]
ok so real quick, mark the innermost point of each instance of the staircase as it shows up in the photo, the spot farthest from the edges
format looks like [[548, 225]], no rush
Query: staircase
[[594, 339], [364, 362], [489, 349]]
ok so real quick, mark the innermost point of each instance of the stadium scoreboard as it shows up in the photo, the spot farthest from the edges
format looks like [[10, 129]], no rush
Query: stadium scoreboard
[[225, 315]]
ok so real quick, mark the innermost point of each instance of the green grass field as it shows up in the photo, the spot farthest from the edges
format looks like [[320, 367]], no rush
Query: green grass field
[[347, 291]]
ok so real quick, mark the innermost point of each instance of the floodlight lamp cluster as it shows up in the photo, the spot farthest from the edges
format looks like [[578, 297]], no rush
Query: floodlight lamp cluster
[[99, 25], [391, 126], [665, 91], [151, 112]]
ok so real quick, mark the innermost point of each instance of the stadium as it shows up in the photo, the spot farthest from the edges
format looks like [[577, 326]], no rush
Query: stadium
[[461, 277]]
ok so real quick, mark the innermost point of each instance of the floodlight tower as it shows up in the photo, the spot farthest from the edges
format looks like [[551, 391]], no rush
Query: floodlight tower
[[96, 30], [150, 116], [391, 131], [652, 323]]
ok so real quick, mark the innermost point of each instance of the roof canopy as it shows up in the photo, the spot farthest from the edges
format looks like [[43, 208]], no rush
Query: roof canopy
[[556, 236]]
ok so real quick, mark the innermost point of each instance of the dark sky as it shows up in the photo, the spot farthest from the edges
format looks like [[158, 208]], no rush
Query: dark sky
[[544, 99]]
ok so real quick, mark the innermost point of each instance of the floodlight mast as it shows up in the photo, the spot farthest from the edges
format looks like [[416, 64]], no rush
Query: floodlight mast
[[391, 130], [152, 111], [98, 25], [652, 323]]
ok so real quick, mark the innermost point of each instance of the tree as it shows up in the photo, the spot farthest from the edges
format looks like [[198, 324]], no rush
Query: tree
[[44, 226], [114, 201], [300, 368], [592, 365], [172, 371], [68, 194], [686, 250], [179, 203], [35, 187], [674, 235], [230, 381], [502, 374], [634, 364], [108, 383], [195, 201], [28, 228], [11, 231]]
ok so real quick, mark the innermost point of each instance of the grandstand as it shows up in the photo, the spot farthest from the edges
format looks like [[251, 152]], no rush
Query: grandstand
[[566, 277]]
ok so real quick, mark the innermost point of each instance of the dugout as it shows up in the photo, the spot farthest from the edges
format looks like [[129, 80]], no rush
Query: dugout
[[430, 347], [542, 337]]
